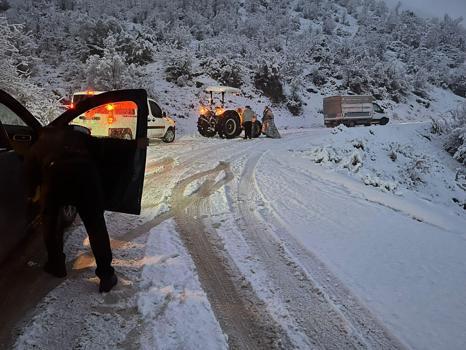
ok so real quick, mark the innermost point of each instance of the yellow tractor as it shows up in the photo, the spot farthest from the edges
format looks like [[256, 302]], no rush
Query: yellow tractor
[[215, 117]]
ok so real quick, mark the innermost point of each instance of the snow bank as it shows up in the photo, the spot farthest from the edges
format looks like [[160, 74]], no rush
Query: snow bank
[[382, 157]]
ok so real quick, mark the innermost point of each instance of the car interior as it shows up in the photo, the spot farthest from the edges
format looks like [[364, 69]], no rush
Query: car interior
[[4, 139]]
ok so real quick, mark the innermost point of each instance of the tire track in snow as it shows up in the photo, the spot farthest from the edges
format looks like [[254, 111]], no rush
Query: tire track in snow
[[323, 324], [240, 313], [31, 284], [375, 335]]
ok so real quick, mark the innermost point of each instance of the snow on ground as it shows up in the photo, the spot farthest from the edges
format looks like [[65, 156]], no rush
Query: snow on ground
[[158, 302], [373, 204], [172, 302], [398, 246], [401, 159]]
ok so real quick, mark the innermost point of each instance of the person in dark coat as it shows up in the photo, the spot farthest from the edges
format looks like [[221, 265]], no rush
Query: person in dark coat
[[62, 171]]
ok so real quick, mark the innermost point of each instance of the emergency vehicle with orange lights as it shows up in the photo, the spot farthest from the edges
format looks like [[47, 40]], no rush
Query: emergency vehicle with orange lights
[[117, 120]]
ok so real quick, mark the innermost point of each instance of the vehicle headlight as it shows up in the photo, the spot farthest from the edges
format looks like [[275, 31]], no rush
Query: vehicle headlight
[[203, 110], [219, 111]]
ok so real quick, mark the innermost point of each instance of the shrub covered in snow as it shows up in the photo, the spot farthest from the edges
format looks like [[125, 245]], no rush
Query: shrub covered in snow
[[178, 68], [453, 127], [294, 103], [269, 80], [226, 72], [381, 163]]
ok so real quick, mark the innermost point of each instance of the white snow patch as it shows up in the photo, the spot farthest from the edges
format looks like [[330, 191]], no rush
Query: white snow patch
[[176, 311]]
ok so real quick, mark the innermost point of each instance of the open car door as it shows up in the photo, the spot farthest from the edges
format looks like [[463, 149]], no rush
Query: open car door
[[117, 123], [18, 123], [18, 130]]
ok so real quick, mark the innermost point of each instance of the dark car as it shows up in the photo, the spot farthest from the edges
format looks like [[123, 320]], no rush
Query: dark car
[[121, 162]]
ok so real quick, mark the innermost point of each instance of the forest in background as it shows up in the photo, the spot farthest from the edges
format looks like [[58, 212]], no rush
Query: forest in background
[[278, 47]]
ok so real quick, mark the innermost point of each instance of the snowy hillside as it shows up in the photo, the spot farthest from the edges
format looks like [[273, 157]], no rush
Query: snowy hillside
[[289, 53]]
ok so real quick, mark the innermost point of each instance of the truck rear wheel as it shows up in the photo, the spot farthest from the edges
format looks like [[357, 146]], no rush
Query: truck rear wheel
[[230, 124]]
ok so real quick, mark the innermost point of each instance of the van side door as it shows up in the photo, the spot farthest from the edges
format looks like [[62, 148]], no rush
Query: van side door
[[156, 125]]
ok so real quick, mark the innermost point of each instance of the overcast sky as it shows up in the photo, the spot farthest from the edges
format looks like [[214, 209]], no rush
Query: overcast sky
[[434, 8]]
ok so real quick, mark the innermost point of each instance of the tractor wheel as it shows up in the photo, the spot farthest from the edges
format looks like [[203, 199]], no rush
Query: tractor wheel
[[205, 129], [231, 124], [256, 129]]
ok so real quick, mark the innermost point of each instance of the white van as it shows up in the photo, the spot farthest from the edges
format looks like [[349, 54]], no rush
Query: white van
[[117, 120]]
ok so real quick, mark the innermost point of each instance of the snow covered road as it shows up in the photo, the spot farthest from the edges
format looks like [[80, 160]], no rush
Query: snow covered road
[[274, 244]]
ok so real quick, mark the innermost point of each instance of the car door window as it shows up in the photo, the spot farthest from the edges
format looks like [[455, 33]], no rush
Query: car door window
[[155, 109], [8, 117], [4, 139], [114, 120], [15, 133]]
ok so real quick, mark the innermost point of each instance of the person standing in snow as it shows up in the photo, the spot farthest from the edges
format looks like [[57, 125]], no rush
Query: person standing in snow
[[268, 124], [61, 171], [248, 116]]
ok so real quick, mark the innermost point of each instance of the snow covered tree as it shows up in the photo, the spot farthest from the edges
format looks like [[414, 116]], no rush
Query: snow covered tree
[[453, 126], [294, 103], [268, 80], [14, 76], [309, 40], [328, 26], [178, 68], [4, 5], [109, 71]]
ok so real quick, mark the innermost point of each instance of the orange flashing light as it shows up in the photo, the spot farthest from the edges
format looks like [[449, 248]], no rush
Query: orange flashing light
[[219, 111], [110, 107], [203, 110], [90, 92]]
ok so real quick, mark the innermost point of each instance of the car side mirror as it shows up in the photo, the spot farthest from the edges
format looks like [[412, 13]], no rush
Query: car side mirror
[[164, 114]]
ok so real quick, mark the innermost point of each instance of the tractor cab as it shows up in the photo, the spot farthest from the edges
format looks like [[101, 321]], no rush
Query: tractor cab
[[219, 92]]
